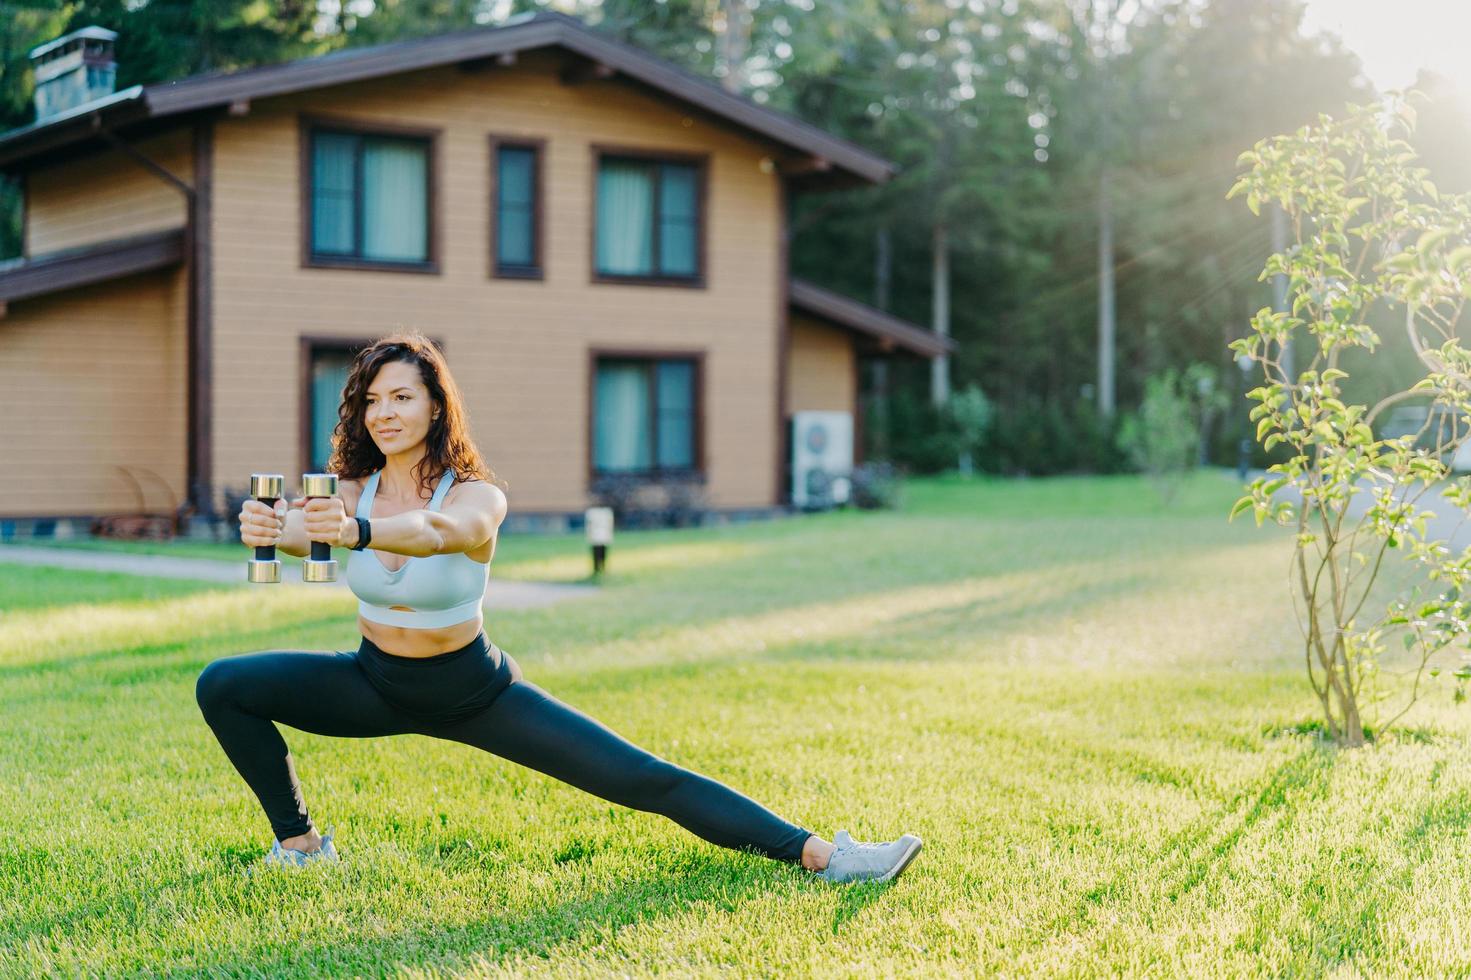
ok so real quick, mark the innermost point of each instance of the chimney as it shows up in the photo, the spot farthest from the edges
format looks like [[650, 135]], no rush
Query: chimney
[[73, 69]]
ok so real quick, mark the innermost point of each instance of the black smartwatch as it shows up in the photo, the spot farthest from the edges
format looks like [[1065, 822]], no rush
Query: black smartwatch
[[365, 533]]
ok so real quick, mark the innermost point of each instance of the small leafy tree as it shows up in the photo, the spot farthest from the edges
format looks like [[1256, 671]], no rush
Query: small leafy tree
[[970, 412], [1369, 230], [1162, 438]]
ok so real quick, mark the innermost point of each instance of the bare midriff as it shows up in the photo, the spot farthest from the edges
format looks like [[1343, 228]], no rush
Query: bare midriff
[[404, 642]]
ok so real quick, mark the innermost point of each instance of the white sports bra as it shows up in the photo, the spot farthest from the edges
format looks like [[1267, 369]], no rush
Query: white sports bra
[[442, 590]]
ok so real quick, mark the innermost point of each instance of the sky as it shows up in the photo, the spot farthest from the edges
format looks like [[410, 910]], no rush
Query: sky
[[1394, 38]]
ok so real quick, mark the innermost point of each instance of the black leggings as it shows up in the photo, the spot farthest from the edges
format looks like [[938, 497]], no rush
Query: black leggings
[[473, 695]]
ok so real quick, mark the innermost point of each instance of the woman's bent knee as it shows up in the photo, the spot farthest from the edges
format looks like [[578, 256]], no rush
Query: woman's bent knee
[[216, 682]]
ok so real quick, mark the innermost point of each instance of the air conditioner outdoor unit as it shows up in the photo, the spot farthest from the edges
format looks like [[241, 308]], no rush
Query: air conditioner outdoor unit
[[822, 458]]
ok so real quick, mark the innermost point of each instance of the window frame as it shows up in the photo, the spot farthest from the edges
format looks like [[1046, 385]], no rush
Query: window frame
[[310, 345], [696, 358], [537, 270], [309, 126], [701, 163]]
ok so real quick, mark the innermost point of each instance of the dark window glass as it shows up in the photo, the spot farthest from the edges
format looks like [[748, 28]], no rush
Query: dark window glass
[[515, 208]]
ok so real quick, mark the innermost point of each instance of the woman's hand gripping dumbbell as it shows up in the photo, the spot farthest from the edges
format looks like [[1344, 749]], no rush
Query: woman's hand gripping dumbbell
[[325, 519], [262, 520], [270, 525]]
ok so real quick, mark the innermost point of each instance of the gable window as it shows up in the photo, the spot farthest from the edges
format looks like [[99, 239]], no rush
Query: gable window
[[645, 415], [369, 198], [649, 220], [516, 219]]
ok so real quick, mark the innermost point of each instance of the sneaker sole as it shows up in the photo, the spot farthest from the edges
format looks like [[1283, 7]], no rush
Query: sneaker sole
[[909, 855]]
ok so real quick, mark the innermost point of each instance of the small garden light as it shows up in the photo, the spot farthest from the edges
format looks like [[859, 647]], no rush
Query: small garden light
[[599, 523]]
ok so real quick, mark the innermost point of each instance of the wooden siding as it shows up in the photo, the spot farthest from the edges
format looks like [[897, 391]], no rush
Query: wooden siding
[[101, 373], [821, 375], [107, 195], [520, 349]]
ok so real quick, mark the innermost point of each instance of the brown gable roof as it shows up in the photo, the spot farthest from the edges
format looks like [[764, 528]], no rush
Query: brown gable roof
[[889, 331], [88, 264], [825, 158]]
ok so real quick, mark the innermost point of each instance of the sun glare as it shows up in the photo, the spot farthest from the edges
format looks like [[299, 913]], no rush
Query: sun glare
[[1395, 40]]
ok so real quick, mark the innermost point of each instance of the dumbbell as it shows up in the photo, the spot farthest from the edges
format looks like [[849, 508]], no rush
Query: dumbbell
[[264, 568], [321, 566]]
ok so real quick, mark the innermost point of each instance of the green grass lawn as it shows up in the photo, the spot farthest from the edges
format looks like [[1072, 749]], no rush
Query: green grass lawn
[[517, 555], [1090, 710]]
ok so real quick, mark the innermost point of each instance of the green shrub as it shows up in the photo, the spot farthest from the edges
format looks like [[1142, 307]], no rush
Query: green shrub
[[1163, 437]]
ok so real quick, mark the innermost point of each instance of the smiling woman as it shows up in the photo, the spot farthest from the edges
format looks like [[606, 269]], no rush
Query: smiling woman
[[420, 497]]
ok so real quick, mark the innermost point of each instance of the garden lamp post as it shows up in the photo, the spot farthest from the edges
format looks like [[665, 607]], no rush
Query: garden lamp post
[[599, 524]]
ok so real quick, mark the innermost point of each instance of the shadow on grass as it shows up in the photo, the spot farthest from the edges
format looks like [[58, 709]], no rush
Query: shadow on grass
[[128, 655], [899, 640], [1317, 729], [1341, 898], [153, 661], [1194, 854], [668, 889]]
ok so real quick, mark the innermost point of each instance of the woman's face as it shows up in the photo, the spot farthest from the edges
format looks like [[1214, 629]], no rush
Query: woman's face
[[399, 409]]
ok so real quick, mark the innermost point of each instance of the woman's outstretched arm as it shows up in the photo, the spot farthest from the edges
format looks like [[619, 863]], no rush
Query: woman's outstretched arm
[[469, 519]]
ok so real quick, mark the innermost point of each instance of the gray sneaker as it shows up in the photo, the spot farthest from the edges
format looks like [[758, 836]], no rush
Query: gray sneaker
[[857, 861], [290, 857]]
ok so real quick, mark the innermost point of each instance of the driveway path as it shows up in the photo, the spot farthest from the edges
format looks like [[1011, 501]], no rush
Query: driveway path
[[502, 594]]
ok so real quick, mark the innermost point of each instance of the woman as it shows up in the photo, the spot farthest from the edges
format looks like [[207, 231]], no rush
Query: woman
[[416, 494]]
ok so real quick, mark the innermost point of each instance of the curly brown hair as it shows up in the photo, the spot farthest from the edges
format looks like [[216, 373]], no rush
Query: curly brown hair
[[447, 446]]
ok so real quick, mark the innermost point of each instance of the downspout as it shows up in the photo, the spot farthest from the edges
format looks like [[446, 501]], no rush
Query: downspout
[[783, 344], [198, 318]]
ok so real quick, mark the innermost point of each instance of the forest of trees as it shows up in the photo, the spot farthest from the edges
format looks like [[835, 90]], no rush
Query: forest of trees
[[1025, 131]]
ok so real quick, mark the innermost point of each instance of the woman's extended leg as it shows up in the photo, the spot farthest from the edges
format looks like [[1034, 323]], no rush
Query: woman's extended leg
[[322, 693], [530, 727]]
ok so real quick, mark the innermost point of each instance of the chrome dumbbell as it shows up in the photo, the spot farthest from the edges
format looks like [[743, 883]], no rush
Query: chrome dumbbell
[[265, 568], [321, 566]]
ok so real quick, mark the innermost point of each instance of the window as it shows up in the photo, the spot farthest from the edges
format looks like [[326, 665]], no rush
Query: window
[[649, 220], [516, 217], [645, 415], [369, 199]]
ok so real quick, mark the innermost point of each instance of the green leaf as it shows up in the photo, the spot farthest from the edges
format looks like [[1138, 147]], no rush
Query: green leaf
[[1432, 238], [1457, 257]]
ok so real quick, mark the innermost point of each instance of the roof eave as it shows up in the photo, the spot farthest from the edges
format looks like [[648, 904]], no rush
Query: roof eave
[[840, 160], [89, 264], [889, 331]]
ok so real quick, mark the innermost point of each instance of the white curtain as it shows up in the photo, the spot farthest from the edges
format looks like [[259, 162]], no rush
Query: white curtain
[[332, 193], [625, 219], [395, 200], [622, 438]]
